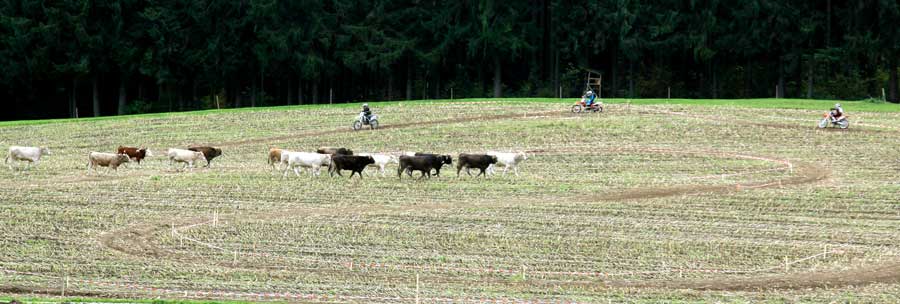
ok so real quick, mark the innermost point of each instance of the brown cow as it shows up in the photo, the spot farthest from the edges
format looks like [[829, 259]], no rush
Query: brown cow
[[334, 151], [275, 156], [136, 154], [208, 152]]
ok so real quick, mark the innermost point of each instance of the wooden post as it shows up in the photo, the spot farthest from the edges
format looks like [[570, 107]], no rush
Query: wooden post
[[217, 102], [330, 96], [883, 96], [451, 93], [669, 93], [417, 288], [560, 92]]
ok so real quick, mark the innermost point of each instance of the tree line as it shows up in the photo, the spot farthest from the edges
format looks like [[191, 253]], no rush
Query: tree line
[[90, 58]]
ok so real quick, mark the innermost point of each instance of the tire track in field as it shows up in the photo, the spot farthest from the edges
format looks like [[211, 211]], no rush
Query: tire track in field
[[766, 124]]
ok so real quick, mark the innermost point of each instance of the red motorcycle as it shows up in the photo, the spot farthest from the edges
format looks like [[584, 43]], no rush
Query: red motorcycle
[[581, 106]]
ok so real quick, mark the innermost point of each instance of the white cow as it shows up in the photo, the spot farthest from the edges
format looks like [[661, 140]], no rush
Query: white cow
[[508, 160], [296, 160], [184, 156], [381, 160], [30, 154]]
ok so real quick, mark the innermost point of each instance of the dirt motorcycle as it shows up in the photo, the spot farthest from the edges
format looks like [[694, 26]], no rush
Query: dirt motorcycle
[[828, 120], [581, 106], [361, 121]]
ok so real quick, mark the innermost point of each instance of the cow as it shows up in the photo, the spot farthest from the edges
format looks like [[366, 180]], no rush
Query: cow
[[508, 160], [184, 156], [108, 160], [296, 160], [443, 160], [479, 161], [136, 154], [420, 163], [381, 160], [30, 154], [208, 152], [334, 151], [355, 163], [275, 156]]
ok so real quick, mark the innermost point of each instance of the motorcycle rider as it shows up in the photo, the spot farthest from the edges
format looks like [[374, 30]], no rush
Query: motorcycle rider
[[837, 113], [588, 98], [367, 113]]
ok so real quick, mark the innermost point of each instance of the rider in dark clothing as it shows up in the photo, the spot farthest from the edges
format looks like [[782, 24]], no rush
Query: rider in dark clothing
[[366, 111]]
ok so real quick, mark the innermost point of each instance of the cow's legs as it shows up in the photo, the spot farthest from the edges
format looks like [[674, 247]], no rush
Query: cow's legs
[[297, 171], [516, 170]]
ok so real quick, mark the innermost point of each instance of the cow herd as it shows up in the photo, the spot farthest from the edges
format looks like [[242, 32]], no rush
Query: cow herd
[[337, 160], [334, 160]]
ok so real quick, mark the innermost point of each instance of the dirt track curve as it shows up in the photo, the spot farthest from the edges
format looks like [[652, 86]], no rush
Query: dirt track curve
[[138, 240]]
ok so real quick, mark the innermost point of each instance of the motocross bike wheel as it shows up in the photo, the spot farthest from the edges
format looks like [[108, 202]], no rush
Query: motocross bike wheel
[[843, 124], [598, 109], [357, 125], [823, 123], [373, 124], [577, 109]]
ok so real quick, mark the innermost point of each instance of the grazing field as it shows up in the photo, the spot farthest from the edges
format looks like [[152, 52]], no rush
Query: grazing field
[[645, 202]]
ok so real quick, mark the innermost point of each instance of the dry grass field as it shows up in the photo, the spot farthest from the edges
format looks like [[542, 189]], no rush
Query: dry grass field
[[642, 203]]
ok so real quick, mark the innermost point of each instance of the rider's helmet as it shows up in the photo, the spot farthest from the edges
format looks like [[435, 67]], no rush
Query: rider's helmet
[[837, 105], [365, 105], [589, 93]]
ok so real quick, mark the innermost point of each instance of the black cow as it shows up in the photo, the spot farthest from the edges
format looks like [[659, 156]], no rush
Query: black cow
[[442, 160], [208, 152], [478, 161], [354, 163], [423, 164], [334, 151]]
